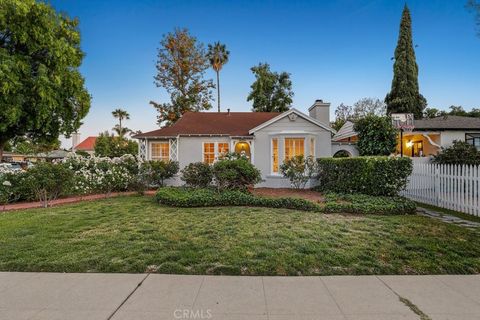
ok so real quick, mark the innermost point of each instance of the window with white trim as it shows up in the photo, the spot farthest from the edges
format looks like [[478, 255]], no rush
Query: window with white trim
[[294, 147], [160, 151], [214, 150], [473, 139], [208, 152]]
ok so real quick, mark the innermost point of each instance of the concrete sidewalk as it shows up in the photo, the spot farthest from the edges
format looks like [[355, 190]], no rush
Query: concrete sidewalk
[[51, 296]]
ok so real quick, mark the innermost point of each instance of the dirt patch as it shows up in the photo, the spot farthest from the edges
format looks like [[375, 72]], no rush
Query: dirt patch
[[291, 193]]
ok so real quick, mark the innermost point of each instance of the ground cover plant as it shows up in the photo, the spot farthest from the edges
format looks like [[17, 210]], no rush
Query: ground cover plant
[[133, 234], [334, 203]]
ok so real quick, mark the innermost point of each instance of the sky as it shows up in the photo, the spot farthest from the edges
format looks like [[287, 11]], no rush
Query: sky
[[338, 51]]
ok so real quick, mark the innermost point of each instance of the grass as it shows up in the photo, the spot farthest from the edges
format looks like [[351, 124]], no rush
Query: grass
[[134, 234], [458, 214]]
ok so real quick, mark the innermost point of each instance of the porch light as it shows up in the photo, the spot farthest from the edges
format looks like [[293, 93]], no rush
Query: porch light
[[409, 144]]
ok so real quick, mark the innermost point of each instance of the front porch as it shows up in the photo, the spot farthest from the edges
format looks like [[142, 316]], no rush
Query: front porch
[[419, 144]]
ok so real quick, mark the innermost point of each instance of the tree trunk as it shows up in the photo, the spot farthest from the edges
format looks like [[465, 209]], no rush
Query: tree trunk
[[218, 91]]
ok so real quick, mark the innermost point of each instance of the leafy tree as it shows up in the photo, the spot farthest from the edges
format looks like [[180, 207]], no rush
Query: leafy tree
[[459, 153], [376, 136], [404, 96], [432, 113], [218, 56], [369, 106], [42, 92], [458, 111], [343, 113], [474, 6], [271, 91], [24, 145], [181, 67], [111, 146], [120, 114], [360, 109]]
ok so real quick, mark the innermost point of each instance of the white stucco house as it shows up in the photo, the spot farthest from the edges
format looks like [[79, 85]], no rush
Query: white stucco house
[[266, 138], [426, 139]]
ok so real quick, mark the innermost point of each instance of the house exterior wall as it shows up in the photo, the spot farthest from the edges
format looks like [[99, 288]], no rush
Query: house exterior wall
[[447, 137], [282, 129]]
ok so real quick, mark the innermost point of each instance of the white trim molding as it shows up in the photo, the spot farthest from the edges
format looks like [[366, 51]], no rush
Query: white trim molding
[[286, 114]]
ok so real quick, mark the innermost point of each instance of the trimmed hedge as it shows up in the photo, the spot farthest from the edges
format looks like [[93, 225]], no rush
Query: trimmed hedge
[[189, 197], [335, 203], [376, 176]]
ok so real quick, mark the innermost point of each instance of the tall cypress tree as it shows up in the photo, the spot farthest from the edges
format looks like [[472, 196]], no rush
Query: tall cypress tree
[[404, 96]]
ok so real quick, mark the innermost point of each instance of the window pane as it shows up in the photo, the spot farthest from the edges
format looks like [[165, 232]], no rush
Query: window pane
[[209, 152], [275, 155], [160, 151], [222, 149], [294, 147]]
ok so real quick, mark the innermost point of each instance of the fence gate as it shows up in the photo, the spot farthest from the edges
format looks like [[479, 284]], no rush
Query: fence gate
[[455, 187]]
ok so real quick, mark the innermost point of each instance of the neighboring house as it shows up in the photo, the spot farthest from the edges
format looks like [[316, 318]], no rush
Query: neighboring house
[[426, 139], [267, 139], [87, 145]]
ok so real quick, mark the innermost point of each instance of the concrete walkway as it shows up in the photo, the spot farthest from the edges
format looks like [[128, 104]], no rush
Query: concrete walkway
[[51, 296]]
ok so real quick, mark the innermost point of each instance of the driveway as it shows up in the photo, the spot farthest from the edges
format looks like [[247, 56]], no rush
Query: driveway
[[52, 296]]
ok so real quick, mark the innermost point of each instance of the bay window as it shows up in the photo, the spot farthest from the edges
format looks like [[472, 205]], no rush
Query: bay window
[[294, 147]]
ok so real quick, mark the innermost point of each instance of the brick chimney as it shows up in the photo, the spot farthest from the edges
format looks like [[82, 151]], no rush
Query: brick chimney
[[320, 111]]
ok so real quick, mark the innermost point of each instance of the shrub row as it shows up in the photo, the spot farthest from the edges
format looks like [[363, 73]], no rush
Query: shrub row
[[376, 176], [335, 203], [233, 173]]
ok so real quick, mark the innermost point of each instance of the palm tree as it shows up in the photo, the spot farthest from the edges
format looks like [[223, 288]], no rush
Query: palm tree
[[120, 114], [218, 56]]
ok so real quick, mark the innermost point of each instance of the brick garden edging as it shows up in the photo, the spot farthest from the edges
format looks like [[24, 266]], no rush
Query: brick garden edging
[[62, 201]]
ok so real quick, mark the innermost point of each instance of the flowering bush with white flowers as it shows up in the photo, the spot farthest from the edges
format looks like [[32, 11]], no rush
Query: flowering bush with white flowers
[[102, 174]]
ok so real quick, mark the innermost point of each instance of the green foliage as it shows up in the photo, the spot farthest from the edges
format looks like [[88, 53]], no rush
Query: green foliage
[[111, 146], [158, 171], [376, 136], [299, 170], [48, 181], [271, 91], [454, 111], [42, 92], [187, 197], [459, 153], [235, 174], [362, 108], [217, 56], [376, 176], [334, 203], [365, 204], [197, 175], [474, 6], [404, 96], [181, 68], [121, 115]]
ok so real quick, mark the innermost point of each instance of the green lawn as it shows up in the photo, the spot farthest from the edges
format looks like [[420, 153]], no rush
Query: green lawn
[[129, 234]]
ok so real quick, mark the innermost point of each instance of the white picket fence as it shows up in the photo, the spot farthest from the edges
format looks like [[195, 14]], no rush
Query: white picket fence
[[455, 187]]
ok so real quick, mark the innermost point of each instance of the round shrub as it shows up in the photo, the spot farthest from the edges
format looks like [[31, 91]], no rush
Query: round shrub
[[48, 181], [235, 174], [197, 175], [159, 171]]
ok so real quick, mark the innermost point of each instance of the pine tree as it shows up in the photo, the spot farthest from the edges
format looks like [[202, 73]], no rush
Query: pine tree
[[404, 96]]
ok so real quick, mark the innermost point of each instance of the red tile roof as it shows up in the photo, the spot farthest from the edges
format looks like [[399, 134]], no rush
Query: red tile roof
[[213, 123], [87, 144]]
